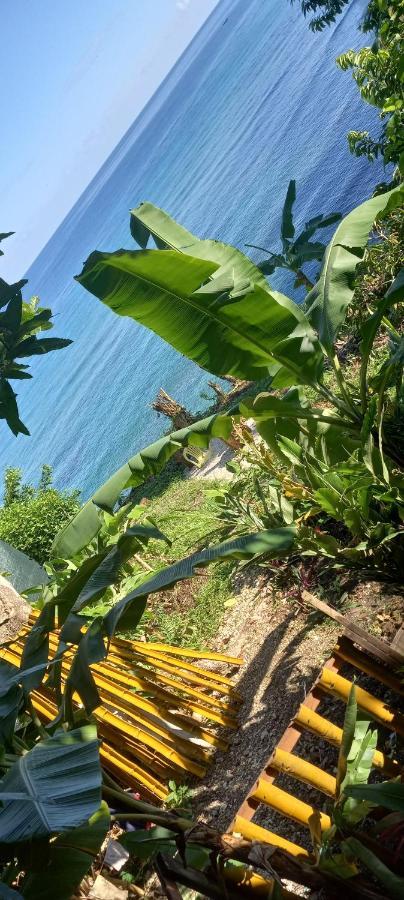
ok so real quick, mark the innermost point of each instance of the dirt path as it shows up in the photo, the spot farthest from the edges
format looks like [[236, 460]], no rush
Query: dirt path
[[282, 655]]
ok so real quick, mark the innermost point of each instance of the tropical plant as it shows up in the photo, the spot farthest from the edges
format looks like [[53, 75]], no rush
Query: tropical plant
[[32, 516], [325, 11], [21, 324], [300, 250], [345, 450], [377, 70]]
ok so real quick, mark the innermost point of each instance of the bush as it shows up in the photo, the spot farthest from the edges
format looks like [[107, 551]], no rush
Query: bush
[[31, 517]]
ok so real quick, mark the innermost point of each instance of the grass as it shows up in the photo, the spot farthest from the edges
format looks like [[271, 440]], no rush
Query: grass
[[190, 614], [197, 625]]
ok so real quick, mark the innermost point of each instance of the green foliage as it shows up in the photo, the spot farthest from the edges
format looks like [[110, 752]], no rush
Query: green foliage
[[12, 485], [150, 461], [300, 250], [325, 12], [344, 450], [31, 517], [179, 797], [378, 268], [197, 623], [378, 72], [21, 326]]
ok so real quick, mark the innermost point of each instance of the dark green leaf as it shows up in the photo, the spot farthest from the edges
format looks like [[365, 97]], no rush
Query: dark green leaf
[[58, 784], [33, 346], [287, 227], [393, 884], [71, 856], [145, 844], [389, 794]]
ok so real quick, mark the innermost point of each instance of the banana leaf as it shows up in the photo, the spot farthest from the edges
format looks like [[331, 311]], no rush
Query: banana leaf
[[109, 569], [128, 611], [389, 794], [53, 787], [240, 335], [327, 302], [147, 462], [348, 734], [287, 226], [393, 884], [148, 221], [70, 858]]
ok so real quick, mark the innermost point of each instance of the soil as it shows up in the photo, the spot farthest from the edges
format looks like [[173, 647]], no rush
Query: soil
[[283, 648]]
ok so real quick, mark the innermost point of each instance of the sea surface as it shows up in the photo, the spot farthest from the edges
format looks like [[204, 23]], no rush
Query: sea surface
[[255, 100]]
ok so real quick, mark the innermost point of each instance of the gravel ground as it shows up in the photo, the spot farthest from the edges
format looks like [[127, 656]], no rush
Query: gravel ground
[[282, 656]]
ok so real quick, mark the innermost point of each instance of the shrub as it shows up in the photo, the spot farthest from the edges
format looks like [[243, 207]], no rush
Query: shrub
[[31, 517]]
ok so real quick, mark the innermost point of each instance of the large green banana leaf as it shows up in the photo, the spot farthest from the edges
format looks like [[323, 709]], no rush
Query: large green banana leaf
[[53, 787], [70, 858], [172, 294], [149, 461], [327, 302], [149, 221]]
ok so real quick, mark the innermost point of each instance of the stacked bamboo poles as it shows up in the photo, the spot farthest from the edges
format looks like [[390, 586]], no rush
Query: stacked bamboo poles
[[159, 713]]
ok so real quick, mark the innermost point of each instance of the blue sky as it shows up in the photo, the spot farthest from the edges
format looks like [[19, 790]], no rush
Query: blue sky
[[74, 76]]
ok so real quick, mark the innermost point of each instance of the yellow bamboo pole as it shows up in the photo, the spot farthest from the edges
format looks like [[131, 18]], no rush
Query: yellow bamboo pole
[[304, 771], [126, 704], [189, 652], [340, 687], [312, 721], [133, 774], [252, 832], [138, 733], [170, 698], [289, 806], [245, 879], [119, 648], [145, 664]]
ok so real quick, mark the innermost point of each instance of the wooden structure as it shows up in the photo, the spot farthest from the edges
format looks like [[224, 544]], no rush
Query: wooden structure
[[283, 760]]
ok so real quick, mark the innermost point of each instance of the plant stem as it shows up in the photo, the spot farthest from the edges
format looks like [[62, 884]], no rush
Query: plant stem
[[126, 800], [162, 818], [36, 720], [340, 378]]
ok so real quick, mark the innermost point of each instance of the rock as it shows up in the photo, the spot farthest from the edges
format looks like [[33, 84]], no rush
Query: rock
[[14, 611], [103, 889]]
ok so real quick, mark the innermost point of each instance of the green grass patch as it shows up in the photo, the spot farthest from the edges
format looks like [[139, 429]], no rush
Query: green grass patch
[[187, 514], [197, 625], [189, 616]]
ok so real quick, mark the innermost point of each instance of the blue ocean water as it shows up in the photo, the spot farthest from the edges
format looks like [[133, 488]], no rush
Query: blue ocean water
[[255, 100]]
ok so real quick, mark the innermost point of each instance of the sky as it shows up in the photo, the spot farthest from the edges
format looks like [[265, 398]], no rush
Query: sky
[[74, 76]]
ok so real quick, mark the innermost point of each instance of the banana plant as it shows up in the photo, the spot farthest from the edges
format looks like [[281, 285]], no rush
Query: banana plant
[[20, 324], [218, 315], [296, 251]]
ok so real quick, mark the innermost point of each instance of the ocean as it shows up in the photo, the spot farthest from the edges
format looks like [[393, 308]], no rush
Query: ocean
[[255, 100]]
